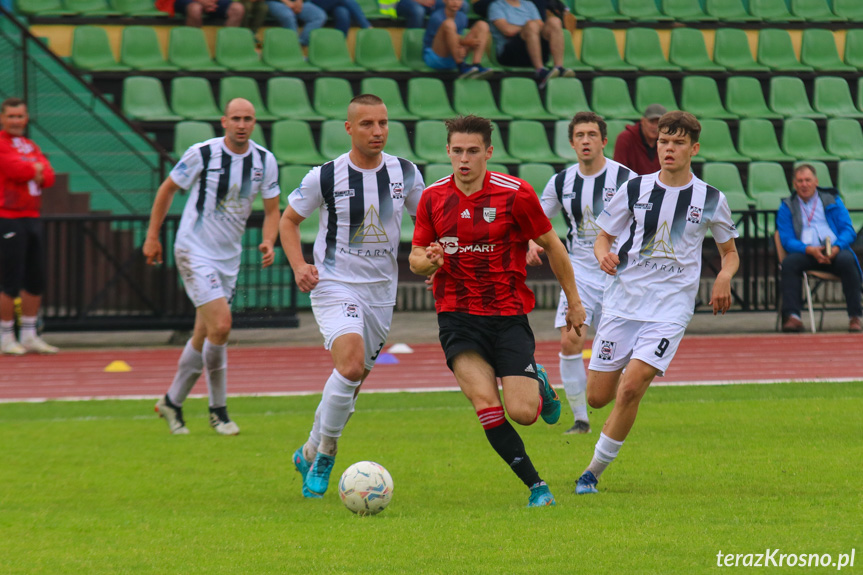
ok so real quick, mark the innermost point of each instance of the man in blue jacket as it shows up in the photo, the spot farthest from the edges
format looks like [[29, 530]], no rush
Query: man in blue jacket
[[816, 231]]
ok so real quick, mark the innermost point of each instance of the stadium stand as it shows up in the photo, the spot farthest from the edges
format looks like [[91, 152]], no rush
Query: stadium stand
[[854, 47], [292, 143], [283, 52], [188, 50], [287, 98], [528, 142], [615, 127], [192, 98], [849, 9], [700, 97], [137, 9], [91, 51], [141, 50], [599, 51], [235, 50], [773, 11], [654, 90], [766, 178], [537, 175], [375, 52], [398, 143], [788, 97], [716, 143], [328, 51], [501, 155], [596, 11], [412, 50], [562, 145], [564, 97], [757, 140], [688, 51], [743, 96], [430, 140], [819, 51], [686, 11], [144, 99], [800, 139], [776, 51], [188, 133], [44, 8], [427, 98], [832, 96], [844, 138], [729, 11], [644, 51], [91, 8], [731, 49], [642, 11], [822, 172], [231, 87], [476, 97], [519, 98], [814, 11], [388, 90], [332, 96], [610, 99], [725, 177]]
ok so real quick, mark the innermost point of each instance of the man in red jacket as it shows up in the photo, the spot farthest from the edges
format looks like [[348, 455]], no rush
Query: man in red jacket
[[24, 171], [636, 145]]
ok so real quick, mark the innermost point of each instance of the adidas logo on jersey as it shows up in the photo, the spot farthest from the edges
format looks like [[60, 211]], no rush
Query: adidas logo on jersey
[[465, 214], [529, 369]]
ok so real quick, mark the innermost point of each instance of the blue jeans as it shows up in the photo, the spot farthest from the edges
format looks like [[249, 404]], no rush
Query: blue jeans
[[342, 12], [415, 13], [312, 16]]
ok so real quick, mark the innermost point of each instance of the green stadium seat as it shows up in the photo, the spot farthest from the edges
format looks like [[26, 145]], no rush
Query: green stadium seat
[[91, 51], [822, 172], [686, 11], [192, 98], [614, 128], [644, 51], [819, 51], [700, 97], [723, 176], [597, 11], [287, 98], [845, 138], [144, 99], [832, 97], [757, 140], [738, 202], [766, 177], [564, 97], [859, 100], [716, 143], [290, 178], [475, 97], [430, 141], [292, 143], [91, 8], [689, 51], [519, 97], [654, 90], [849, 178], [374, 51], [188, 50], [642, 11], [140, 50], [42, 8], [776, 51], [258, 136], [137, 8], [610, 99], [854, 47], [187, 134], [788, 97], [501, 155], [398, 143], [729, 10], [599, 50], [743, 96], [236, 87], [283, 52], [427, 98], [332, 96], [849, 9], [570, 59], [768, 201], [434, 172], [388, 90], [235, 50], [536, 174], [772, 11], [412, 50], [494, 167], [371, 8], [800, 139], [328, 51], [731, 49], [562, 146], [814, 11], [529, 143], [335, 140]]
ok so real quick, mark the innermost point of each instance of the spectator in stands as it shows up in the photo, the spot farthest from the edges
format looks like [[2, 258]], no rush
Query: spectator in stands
[[24, 171], [286, 13], [196, 10], [816, 230], [444, 47], [342, 12], [255, 14], [414, 12], [523, 39], [636, 144]]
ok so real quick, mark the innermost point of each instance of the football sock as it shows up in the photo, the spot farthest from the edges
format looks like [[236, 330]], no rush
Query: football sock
[[508, 444], [310, 449], [189, 369], [575, 383], [28, 327], [329, 445], [604, 453], [336, 404], [7, 329], [216, 362]]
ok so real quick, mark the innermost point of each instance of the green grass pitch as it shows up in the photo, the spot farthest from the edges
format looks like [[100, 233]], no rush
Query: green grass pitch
[[101, 487]]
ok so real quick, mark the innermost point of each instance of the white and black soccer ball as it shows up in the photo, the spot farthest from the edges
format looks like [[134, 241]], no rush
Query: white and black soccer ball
[[366, 488]]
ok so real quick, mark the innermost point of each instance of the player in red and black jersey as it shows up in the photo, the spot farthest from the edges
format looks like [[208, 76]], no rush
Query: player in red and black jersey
[[472, 233]]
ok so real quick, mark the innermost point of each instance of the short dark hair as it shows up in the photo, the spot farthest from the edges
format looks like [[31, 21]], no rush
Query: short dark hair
[[588, 118], [470, 125], [680, 122], [802, 167], [11, 103], [366, 100]]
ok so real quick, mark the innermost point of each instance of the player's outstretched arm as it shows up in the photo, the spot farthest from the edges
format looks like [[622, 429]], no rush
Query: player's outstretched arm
[[720, 297], [561, 266], [161, 205], [269, 232], [305, 274], [607, 259], [426, 261]]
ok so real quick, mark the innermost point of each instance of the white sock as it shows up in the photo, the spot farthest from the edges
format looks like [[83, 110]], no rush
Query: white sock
[[336, 405], [7, 330], [605, 452], [216, 362], [189, 369], [28, 328], [310, 449], [575, 384]]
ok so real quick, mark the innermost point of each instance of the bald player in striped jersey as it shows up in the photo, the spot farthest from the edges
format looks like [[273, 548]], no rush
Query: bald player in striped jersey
[[223, 176], [580, 192], [362, 195], [659, 221]]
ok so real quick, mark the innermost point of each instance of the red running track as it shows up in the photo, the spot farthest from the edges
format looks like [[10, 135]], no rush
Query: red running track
[[300, 370]]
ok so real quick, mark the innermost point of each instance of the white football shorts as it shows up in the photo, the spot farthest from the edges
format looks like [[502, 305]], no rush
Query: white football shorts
[[205, 280], [618, 340], [591, 299], [339, 310]]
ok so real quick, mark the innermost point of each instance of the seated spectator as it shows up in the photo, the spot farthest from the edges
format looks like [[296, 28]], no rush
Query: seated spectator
[[256, 13], [444, 47], [342, 12], [286, 13], [414, 12], [815, 229], [523, 39], [196, 10], [636, 145]]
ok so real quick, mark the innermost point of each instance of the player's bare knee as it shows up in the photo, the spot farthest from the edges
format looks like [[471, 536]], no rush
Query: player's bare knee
[[352, 370], [523, 414], [629, 394], [597, 399]]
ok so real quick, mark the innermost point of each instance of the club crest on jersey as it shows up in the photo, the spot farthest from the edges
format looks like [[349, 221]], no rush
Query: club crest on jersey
[[182, 169], [397, 190], [606, 350], [489, 214], [349, 193], [351, 310], [257, 174], [607, 194], [449, 245], [694, 214]]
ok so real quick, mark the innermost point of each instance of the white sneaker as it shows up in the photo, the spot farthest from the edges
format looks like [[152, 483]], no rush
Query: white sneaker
[[38, 345], [221, 423], [173, 415], [12, 347]]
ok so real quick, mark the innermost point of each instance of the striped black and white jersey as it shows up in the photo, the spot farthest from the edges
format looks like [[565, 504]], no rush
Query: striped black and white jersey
[[581, 198], [222, 187], [360, 220], [659, 234]]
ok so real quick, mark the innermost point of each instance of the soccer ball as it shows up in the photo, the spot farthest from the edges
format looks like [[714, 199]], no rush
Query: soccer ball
[[366, 488]]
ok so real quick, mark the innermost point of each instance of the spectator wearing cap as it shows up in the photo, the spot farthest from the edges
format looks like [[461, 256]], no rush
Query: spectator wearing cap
[[636, 144]]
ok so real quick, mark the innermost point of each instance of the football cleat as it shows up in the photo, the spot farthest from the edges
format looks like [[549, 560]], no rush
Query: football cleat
[[12, 347], [301, 464], [220, 421], [318, 478], [578, 427], [172, 414], [550, 401], [540, 496], [586, 483], [38, 345]]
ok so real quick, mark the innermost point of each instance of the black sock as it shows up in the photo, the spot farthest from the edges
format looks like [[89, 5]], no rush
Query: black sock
[[508, 444]]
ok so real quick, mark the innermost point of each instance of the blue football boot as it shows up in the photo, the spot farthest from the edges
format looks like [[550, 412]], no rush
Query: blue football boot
[[540, 496], [301, 464], [550, 401], [318, 478], [586, 483]]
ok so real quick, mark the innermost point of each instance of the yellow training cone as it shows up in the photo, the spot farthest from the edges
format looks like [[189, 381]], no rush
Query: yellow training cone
[[117, 366]]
